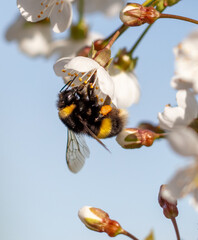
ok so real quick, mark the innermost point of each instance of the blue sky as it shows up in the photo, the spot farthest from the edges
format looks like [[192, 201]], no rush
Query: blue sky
[[40, 198]]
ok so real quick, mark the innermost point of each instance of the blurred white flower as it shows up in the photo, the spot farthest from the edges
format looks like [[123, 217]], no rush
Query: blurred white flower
[[69, 47], [127, 90], [185, 181], [183, 114], [34, 39], [59, 12], [186, 64], [109, 7]]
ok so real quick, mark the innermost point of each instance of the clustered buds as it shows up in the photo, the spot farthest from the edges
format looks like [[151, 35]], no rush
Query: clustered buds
[[134, 14], [169, 207], [135, 138], [98, 220]]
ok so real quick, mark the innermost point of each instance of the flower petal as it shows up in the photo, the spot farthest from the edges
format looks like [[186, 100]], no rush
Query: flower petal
[[60, 65], [61, 18], [82, 64], [105, 83], [127, 89], [31, 10], [194, 200], [181, 184], [184, 141]]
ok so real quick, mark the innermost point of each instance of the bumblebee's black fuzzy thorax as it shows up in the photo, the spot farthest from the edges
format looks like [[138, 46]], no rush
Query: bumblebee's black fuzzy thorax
[[80, 112]]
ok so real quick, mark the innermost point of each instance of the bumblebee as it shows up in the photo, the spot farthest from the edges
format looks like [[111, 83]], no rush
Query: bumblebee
[[82, 113]]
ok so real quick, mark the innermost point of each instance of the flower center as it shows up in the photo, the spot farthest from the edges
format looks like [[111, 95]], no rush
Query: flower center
[[48, 5]]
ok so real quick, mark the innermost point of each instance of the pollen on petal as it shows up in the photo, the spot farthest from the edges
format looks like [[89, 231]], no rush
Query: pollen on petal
[[101, 99], [39, 16], [63, 70]]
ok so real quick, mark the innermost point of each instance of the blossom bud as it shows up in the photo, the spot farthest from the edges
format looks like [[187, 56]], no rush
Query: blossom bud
[[98, 220], [135, 138], [79, 31], [124, 61], [134, 14], [169, 207]]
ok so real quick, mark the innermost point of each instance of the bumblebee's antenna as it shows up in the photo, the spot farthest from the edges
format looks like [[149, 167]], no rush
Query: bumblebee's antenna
[[68, 84], [92, 134]]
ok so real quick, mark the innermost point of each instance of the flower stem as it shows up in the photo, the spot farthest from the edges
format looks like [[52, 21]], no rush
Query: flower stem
[[178, 17], [148, 3], [116, 35], [129, 235], [176, 228], [139, 40], [81, 9]]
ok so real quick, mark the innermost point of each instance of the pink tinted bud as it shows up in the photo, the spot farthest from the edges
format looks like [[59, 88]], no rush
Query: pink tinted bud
[[131, 138], [98, 220], [134, 14], [169, 207]]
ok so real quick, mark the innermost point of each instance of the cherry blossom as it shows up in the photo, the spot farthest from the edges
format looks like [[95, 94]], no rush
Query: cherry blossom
[[185, 181], [80, 70], [186, 64], [59, 12], [34, 39], [181, 115]]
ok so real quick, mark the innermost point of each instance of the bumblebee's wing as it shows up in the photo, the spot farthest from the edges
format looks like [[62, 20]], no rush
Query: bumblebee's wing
[[77, 151]]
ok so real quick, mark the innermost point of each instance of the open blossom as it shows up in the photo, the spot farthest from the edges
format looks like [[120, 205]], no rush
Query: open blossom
[[124, 82], [186, 64], [59, 12], [81, 69], [109, 7], [185, 181], [34, 39], [183, 114]]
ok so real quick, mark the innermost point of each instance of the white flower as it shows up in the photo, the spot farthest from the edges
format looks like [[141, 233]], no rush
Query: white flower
[[109, 7], [183, 114], [127, 90], [185, 181], [80, 70], [59, 12], [34, 39], [186, 65], [69, 47]]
